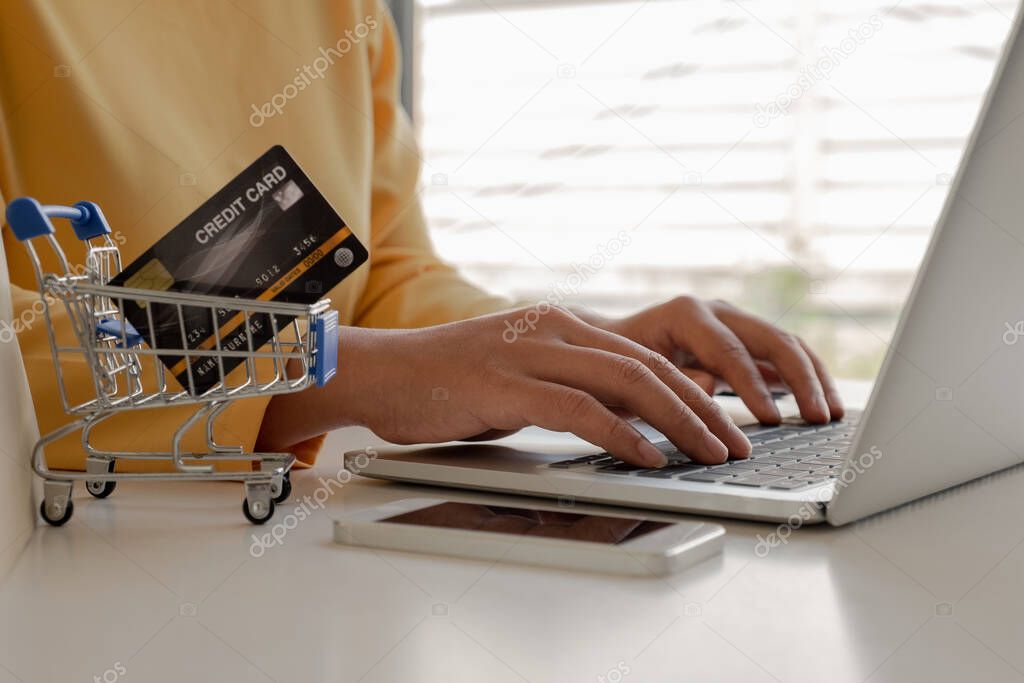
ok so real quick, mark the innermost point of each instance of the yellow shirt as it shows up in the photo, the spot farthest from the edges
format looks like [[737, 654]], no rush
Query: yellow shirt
[[149, 108]]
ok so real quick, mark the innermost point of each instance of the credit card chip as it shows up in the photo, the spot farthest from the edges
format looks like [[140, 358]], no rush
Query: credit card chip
[[153, 275]]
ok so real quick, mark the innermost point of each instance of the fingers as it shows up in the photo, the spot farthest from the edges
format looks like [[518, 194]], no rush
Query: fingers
[[718, 348], [768, 372], [702, 378], [564, 409], [835, 402], [699, 402], [623, 381], [787, 354]]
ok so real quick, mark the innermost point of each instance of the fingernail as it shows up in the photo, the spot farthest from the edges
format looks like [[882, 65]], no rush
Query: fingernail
[[715, 447], [745, 447], [652, 456], [773, 410]]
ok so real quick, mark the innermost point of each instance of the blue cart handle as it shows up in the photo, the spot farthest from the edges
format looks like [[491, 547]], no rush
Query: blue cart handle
[[325, 350], [28, 219]]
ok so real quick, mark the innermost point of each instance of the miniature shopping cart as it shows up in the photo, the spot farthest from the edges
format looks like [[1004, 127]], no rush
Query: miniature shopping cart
[[128, 373]]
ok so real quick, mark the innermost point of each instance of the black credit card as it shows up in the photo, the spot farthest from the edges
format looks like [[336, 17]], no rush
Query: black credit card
[[268, 235]]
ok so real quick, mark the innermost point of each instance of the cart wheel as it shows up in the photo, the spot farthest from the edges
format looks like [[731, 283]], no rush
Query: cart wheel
[[258, 519], [60, 521], [100, 489], [281, 492]]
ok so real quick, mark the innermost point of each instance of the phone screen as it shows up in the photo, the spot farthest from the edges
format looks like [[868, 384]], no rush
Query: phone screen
[[524, 522]]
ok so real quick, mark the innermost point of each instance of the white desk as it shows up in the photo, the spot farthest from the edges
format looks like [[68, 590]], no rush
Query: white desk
[[157, 583]]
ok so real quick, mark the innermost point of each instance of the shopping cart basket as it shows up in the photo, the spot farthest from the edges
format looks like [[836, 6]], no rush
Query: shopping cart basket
[[128, 373]]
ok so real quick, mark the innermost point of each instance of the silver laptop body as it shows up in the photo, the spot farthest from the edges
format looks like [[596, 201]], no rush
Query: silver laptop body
[[947, 407]]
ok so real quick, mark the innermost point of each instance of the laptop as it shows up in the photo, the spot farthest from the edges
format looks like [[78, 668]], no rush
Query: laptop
[[946, 408]]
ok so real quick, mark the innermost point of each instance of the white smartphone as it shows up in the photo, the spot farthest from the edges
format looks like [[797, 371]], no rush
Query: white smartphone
[[537, 536]]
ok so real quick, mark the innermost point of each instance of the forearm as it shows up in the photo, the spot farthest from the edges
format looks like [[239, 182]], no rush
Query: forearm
[[295, 417]]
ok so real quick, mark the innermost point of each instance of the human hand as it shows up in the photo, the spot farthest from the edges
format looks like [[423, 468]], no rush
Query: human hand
[[722, 341], [464, 379]]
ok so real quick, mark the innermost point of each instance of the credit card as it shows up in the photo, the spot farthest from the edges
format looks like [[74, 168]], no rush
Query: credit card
[[268, 235]]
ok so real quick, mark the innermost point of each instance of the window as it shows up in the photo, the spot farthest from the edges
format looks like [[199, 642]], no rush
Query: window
[[789, 157]]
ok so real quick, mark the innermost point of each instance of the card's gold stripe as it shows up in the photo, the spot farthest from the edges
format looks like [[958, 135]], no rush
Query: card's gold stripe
[[274, 289]]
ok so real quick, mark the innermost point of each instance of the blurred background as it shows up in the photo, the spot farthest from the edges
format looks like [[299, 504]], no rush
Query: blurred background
[[790, 157]]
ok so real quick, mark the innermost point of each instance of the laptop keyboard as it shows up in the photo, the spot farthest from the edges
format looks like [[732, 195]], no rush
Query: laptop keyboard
[[787, 457]]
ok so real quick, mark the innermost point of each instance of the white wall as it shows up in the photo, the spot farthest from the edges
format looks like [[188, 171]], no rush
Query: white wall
[[17, 435]]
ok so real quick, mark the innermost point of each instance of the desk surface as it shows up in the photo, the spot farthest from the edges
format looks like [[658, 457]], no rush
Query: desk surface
[[157, 583]]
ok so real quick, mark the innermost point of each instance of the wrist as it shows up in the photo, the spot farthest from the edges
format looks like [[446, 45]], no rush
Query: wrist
[[342, 402], [360, 375]]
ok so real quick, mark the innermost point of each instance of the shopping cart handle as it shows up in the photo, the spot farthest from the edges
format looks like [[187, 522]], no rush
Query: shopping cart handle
[[28, 219], [325, 358], [92, 222]]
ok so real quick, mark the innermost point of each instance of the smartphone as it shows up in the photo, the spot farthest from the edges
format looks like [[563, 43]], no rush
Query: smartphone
[[537, 536]]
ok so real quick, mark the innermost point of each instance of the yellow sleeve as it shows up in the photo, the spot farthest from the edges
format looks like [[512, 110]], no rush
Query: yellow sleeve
[[409, 286]]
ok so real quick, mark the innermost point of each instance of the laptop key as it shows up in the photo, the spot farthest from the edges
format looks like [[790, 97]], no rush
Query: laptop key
[[743, 465], [789, 471], [670, 471], [778, 460], [763, 438], [764, 434], [665, 447], [620, 468], [709, 477], [577, 462], [755, 480], [806, 469]]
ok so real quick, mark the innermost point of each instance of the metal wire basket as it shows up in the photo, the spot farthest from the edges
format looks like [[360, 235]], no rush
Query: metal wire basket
[[272, 348]]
